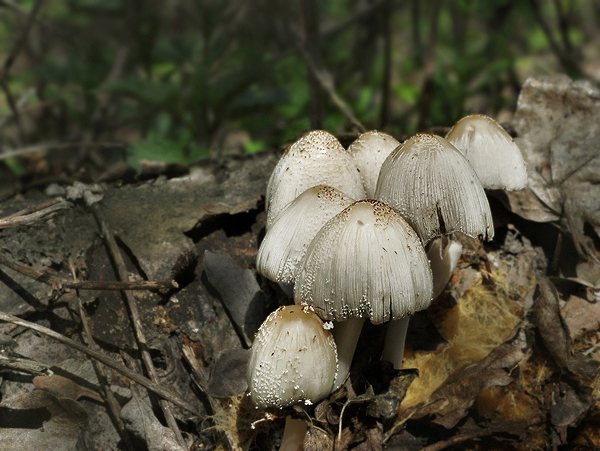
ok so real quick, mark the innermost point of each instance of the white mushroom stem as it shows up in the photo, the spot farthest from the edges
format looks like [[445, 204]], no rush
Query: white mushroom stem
[[443, 260], [395, 337], [345, 334], [293, 434]]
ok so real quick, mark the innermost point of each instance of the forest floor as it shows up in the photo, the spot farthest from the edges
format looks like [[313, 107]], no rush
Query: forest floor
[[505, 358]]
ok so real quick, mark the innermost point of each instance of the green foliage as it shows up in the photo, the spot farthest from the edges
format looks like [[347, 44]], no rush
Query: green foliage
[[193, 71]]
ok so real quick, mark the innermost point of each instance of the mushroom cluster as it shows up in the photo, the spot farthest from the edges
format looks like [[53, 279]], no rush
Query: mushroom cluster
[[347, 231]]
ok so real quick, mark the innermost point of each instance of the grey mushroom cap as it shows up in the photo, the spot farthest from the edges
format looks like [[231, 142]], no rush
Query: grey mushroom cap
[[287, 240], [492, 152], [369, 151], [293, 359], [315, 159], [366, 262], [431, 184]]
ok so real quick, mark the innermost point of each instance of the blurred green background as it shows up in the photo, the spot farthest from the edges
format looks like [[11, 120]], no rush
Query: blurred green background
[[97, 82]]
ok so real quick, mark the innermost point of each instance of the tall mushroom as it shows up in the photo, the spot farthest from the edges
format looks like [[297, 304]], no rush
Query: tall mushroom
[[366, 262], [429, 182]]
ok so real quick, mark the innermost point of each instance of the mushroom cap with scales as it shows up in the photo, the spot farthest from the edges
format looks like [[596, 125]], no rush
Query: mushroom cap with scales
[[315, 159], [366, 262], [369, 151], [293, 359]]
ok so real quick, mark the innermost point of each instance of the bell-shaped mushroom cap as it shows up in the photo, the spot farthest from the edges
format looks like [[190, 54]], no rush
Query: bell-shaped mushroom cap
[[369, 151], [315, 159], [366, 262], [431, 184], [293, 359], [288, 238], [492, 152]]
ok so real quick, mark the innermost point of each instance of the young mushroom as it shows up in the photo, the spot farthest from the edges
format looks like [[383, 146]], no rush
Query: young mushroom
[[293, 360], [369, 151], [366, 262], [294, 228], [315, 159], [492, 152]]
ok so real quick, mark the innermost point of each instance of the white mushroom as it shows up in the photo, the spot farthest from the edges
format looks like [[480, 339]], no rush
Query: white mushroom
[[293, 359], [492, 152], [366, 262], [294, 228], [315, 159], [369, 151], [431, 184]]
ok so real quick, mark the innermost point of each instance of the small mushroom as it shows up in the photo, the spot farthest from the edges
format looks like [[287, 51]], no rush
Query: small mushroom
[[293, 359], [366, 262], [315, 159], [431, 184], [492, 152], [294, 228], [369, 151]]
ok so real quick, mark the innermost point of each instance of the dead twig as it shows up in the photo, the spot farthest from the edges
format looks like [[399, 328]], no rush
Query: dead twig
[[427, 91], [10, 99], [114, 408], [136, 377], [26, 217], [16, 48], [325, 80], [58, 283], [565, 55], [55, 146], [386, 18], [14, 363], [199, 377], [115, 252]]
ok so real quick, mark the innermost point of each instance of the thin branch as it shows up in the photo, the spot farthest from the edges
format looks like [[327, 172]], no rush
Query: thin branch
[[28, 218], [326, 82], [14, 51], [199, 378], [58, 283], [136, 377], [55, 146], [310, 14], [115, 252], [14, 109], [428, 80], [386, 17], [114, 408], [566, 59], [14, 363]]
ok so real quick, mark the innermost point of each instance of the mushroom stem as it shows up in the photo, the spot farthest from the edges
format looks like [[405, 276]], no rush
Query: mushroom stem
[[293, 434], [443, 259], [395, 336], [345, 334]]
